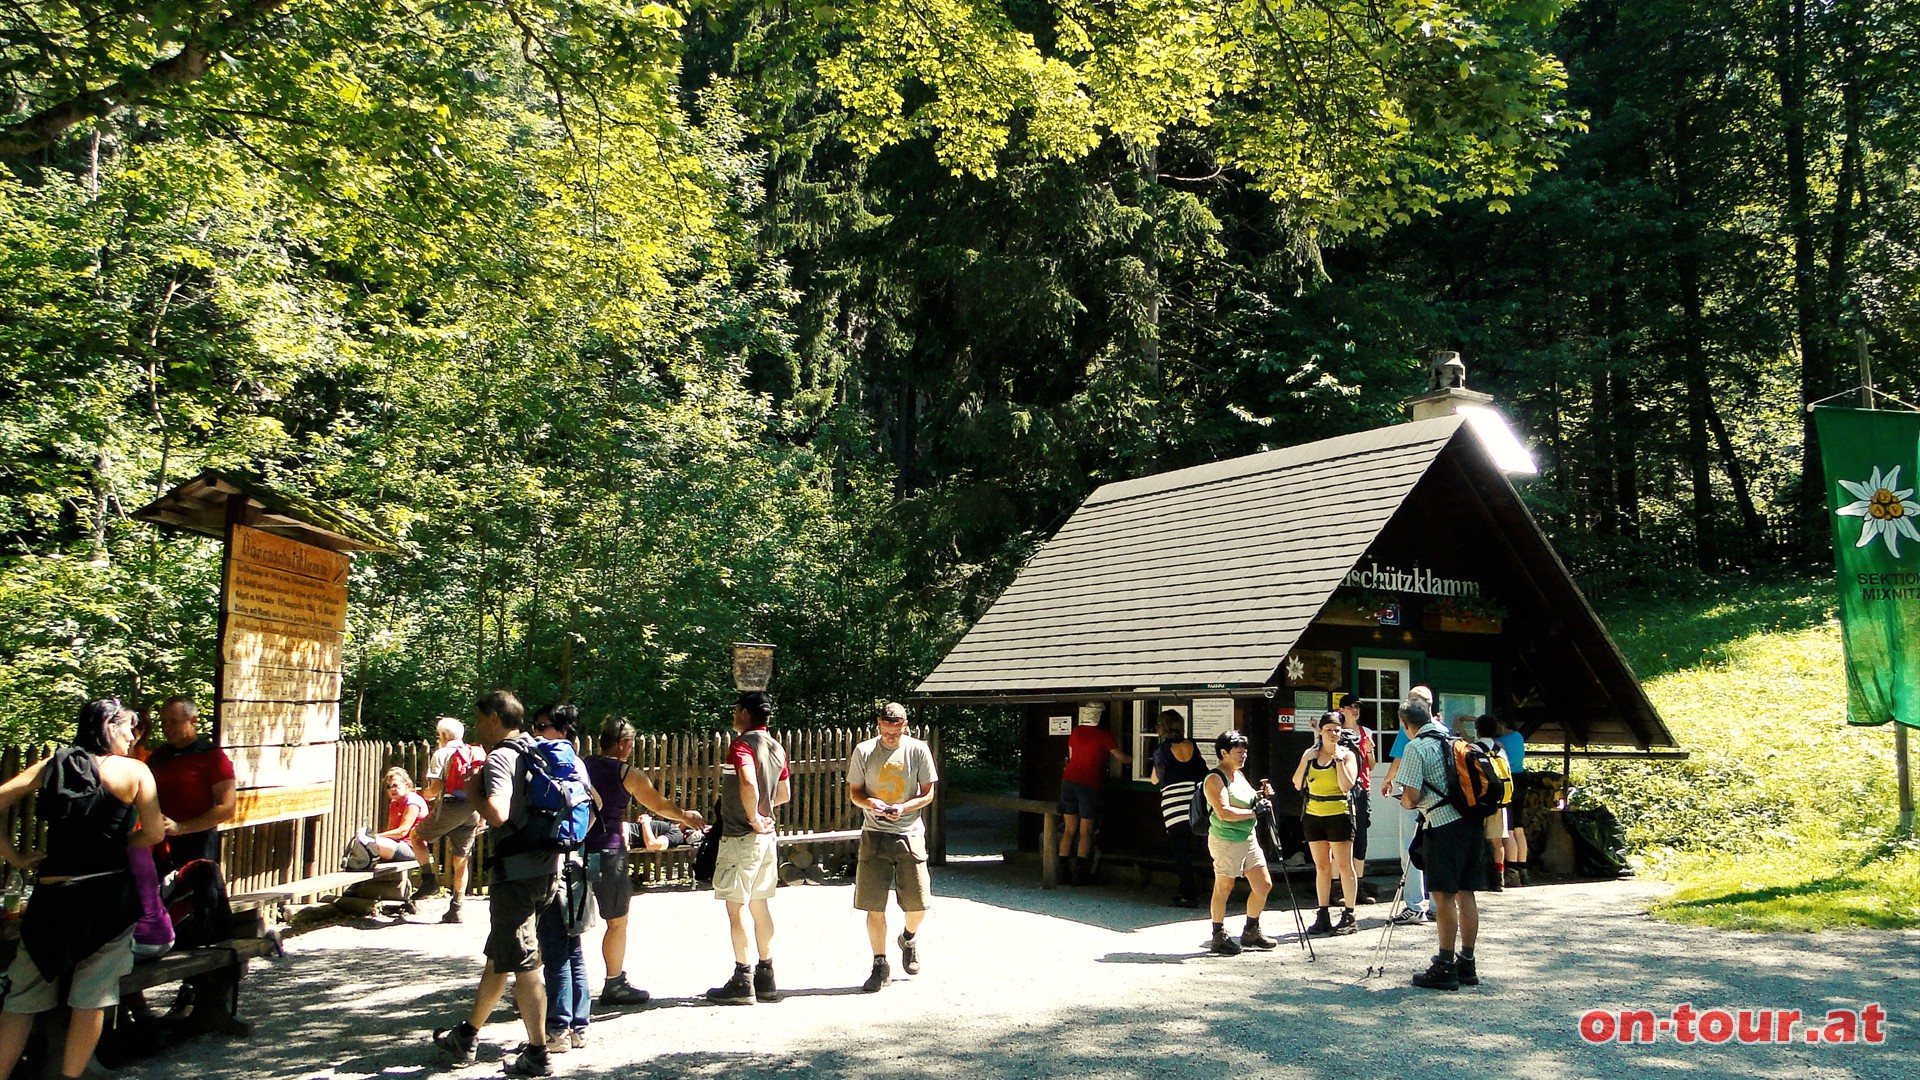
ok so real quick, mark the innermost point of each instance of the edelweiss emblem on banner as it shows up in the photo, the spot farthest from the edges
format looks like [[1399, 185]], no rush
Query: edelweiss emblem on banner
[[1885, 509]]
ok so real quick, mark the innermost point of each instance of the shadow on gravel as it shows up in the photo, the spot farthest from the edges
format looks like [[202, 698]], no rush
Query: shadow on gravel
[[1104, 906]]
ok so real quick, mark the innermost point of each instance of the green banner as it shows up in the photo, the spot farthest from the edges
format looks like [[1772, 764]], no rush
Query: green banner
[[1872, 462]]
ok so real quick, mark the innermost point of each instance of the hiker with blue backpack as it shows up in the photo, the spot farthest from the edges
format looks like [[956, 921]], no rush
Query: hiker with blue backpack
[[563, 959], [535, 794]]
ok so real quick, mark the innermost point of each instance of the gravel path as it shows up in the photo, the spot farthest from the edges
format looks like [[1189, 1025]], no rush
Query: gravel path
[[1098, 982]]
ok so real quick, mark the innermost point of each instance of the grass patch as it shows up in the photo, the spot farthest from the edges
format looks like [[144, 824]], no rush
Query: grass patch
[[1783, 818], [1847, 882]]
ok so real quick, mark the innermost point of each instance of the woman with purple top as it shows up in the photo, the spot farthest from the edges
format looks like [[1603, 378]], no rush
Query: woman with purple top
[[618, 785]]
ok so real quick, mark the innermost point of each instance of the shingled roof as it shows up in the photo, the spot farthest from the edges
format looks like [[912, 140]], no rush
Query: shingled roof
[[1205, 578]]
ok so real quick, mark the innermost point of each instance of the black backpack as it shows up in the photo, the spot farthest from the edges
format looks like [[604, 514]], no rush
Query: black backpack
[[707, 856], [1199, 811], [196, 900]]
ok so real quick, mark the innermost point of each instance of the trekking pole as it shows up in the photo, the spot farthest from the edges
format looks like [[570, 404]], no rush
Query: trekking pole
[[1270, 827], [1299, 922], [1379, 965]]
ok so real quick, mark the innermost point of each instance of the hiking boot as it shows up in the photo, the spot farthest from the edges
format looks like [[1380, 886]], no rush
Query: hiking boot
[[1322, 924], [1514, 878], [429, 885], [1496, 879], [1252, 938], [763, 988], [530, 1061], [558, 1043], [1222, 945], [737, 991], [577, 1037], [458, 1042], [1347, 924], [1469, 974], [453, 911], [618, 992], [1065, 871], [1442, 974], [879, 977], [909, 954]]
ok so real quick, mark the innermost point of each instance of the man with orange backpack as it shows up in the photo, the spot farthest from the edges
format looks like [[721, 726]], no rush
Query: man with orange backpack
[[453, 816], [1449, 846]]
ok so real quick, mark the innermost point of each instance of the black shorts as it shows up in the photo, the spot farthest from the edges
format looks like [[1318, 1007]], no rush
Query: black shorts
[[1328, 828], [612, 883], [1455, 857]]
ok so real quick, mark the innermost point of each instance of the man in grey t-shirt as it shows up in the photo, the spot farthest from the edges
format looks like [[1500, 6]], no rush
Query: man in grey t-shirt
[[891, 778], [522, 884]]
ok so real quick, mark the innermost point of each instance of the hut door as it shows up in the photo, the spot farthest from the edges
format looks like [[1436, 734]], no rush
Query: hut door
[[1383, 683]]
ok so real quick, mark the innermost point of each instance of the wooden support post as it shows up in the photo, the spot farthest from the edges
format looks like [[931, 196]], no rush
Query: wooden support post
[[1050, 851], [1903, 777]]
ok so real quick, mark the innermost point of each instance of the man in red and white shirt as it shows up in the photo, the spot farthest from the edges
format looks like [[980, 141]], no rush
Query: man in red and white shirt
[[753, 780]]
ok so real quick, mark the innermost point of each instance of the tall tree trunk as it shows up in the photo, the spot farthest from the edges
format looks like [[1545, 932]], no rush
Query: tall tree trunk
[[1849, 190], [1150, 329], [1814, 373], [1699, 383], [102, 502], [1625, 463]]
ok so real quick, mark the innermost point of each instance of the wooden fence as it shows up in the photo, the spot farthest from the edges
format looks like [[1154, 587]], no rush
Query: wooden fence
[[686, 769]]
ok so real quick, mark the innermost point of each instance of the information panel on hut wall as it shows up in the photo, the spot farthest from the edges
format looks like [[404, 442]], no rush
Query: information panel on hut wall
[[286, 616]]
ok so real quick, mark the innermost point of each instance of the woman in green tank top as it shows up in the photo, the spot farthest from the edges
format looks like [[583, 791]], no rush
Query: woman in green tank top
[[1230, 841]]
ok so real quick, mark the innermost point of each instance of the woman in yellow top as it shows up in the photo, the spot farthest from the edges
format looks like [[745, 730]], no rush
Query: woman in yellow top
[[1326, 773], [1230, 842]]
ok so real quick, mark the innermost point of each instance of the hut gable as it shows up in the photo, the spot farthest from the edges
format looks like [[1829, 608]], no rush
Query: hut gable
[[1205, 579]]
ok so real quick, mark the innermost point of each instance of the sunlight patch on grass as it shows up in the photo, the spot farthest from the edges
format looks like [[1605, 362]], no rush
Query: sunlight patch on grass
[[1782, 817], [1818, 884]]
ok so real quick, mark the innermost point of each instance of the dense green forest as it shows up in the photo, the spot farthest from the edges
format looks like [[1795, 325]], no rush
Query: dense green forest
[[649, 327]]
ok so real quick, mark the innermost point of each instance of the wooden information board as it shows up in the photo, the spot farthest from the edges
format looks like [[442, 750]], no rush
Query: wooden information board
[[284, 616]]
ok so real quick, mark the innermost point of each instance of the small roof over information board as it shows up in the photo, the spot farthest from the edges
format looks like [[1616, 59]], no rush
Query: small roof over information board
[[200, 505]]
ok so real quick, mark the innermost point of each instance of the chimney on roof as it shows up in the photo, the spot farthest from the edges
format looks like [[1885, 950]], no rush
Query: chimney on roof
[[1446, 389]]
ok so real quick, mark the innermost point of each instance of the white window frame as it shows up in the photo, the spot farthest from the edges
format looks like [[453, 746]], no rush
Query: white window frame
[[1386, 711]]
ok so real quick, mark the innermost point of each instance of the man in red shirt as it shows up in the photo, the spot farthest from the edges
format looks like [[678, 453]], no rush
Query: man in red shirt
[[1088, 748], [195, 782], [1359, 740]]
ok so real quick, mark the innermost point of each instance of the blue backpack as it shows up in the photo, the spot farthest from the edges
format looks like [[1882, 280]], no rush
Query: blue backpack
[[560, 805]]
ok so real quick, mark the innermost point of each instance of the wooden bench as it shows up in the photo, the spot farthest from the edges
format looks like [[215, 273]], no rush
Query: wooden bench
[[186, 964], [323, 884], [1052, 822]]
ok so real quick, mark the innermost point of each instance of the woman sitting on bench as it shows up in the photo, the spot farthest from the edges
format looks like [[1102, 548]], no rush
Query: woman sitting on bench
[[406, 807]]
